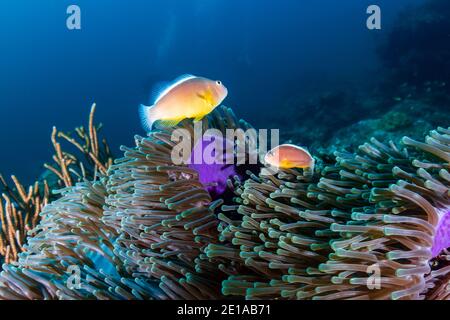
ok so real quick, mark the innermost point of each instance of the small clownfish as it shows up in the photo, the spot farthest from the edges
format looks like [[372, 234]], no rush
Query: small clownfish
[[288, 156], [187, 97]]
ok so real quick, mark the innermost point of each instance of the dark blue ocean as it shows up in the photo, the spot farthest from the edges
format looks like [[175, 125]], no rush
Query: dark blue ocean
[[264, 51]]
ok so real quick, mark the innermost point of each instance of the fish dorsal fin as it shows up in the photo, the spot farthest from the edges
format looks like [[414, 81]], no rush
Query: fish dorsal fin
[[164, 88]]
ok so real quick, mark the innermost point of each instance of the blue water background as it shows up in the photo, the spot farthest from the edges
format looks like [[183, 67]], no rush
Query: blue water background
[[264, 51]]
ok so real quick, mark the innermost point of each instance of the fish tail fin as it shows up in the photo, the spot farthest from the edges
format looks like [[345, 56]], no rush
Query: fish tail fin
[[147, 117]]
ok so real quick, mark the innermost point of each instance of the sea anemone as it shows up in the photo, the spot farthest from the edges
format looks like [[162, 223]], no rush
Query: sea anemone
[[279, 237], [136, 233], [213, 172], [165, 214], [370, 225], [69, 255], [399, 235]]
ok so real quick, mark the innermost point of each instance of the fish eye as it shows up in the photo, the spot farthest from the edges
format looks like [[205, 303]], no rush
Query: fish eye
[[218, 82]]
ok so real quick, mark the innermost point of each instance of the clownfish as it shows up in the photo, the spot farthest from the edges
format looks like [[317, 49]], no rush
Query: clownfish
[[187, 97], [288, 156]]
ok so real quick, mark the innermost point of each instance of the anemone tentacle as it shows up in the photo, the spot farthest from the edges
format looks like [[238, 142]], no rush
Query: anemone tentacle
[[372, 225]]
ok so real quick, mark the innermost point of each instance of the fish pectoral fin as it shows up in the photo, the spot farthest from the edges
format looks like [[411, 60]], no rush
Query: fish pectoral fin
[[201, 96], [207, 96]]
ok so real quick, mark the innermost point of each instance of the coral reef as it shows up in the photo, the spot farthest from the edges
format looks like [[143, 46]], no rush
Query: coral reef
[[398, 227], [69, 255], [322, 115], [414, 118], [20, 206], [384, 210], [326, 125], [19, 213], [147, 221], [89, 159], [367, 225], [410, 95]]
